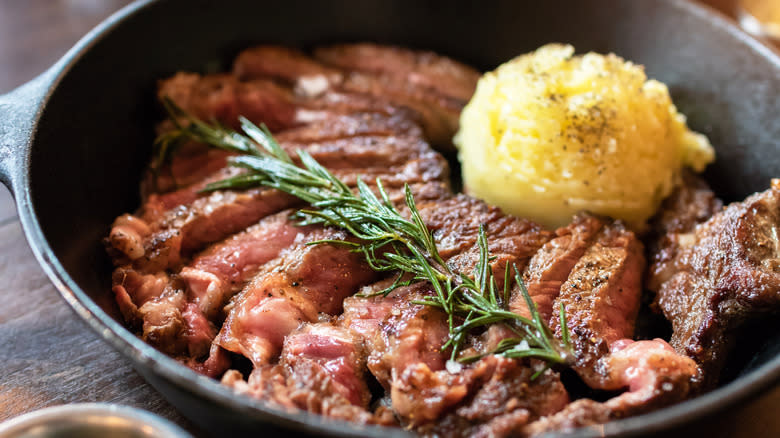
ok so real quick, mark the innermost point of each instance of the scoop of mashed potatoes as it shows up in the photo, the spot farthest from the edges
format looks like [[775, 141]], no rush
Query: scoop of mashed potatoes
[[549, 134]]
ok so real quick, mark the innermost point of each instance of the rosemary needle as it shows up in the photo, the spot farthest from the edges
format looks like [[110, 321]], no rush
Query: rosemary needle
[[388, 240]]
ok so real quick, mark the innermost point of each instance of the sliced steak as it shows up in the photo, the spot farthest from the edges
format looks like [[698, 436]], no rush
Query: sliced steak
[[224, 268], [179, 314], [601, 300], [550, 267], [168, 235], [433, 87], [192, 163], [222, 97], [654, 374], [306, 385], [439, 114], [303, 282], [721, 273], [691, 204], [337, 351], [352, 125], [410, 334], [283, 64], [153, 304], [421, 68], [455, 225], [503, 397]]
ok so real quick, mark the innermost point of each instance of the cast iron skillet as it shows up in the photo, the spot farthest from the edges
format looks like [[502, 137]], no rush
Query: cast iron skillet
[[73, 141]]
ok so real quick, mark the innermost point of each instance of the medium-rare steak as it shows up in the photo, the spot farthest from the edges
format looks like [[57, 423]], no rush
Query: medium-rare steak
[[432, 87], [321, 370], [426, 69], [549, 268], [601, 300], [230, 278], [301, 283]]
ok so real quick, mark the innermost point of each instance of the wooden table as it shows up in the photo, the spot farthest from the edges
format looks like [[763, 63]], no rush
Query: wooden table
[[47, 355]]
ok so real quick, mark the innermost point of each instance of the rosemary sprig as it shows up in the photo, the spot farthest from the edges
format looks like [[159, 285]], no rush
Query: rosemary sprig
[[388, 240]]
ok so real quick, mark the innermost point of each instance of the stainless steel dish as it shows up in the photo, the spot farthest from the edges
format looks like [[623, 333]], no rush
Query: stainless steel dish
[[90, 420]]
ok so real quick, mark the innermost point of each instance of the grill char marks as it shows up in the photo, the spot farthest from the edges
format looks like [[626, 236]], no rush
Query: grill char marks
[[455, 225], [717, 275], [671, 229], [601, 299], [432, 87], [549, 268], [503, 397], [426, 69], [435, 87], [376, 150], [223, 97]]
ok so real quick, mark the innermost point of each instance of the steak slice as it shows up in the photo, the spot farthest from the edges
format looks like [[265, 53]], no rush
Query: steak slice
[[455, 223], [283, 64], [422, 68], [654, 374], [550, 267], [601, 300], [352, 125], [224, 268], [438, 114], [222, 97], [161, 238], [691, 204], [321, 371], [433, 87], [503, 398], [192, 163], [409, 334], [303, 282], [178, 315], [720, 273], [337, 351]]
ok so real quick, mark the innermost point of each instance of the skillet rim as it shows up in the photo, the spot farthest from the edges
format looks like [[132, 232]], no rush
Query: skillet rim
[[145, 357]]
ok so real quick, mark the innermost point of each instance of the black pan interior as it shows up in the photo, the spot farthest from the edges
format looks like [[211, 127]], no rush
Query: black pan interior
[[95, 133]]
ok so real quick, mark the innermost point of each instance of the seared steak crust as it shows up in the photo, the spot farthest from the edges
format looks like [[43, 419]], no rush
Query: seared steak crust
[[722, 272], [426, 69], [601, 299], [688, 206]]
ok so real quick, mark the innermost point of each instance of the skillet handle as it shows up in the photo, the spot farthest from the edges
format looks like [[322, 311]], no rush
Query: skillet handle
[[19, 111]]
